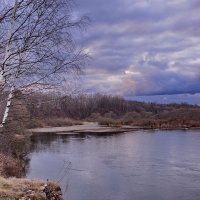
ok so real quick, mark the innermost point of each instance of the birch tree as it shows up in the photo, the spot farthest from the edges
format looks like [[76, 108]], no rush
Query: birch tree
[[37, 45]]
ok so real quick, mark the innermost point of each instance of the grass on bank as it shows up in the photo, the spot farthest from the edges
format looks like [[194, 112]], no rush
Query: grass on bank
[[151, 123], [52, 122], [18, 189]]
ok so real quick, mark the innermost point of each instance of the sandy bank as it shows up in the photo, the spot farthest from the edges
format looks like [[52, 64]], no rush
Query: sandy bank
[[87, 127]]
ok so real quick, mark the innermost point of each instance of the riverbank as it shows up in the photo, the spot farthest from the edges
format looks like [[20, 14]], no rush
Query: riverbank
[[13, 163], [26, 189], [95, 128], [86, 127]]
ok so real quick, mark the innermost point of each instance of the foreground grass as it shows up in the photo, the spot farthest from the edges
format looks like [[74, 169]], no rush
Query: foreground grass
[[25, 189]]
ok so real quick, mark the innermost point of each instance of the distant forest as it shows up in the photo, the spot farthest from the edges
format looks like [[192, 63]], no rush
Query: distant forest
[[109, 110]]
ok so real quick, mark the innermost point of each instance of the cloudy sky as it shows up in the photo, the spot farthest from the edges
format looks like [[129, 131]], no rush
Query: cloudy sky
[[142, 47]]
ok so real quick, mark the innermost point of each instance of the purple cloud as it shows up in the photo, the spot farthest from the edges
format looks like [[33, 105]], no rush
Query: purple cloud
[[142, 47]]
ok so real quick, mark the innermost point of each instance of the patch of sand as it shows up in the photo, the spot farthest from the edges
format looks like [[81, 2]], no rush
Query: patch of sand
[[87, 127]]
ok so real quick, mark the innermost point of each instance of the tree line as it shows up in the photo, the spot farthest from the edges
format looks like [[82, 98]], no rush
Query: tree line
[[112, 109]]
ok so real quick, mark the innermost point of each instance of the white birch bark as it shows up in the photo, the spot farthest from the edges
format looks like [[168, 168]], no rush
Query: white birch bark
[[8, 106], [7, 54]]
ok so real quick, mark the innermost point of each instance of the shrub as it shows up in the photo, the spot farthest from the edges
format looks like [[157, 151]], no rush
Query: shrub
[[95, 116], [109, 122], [110, 114], [12, 167], [35, 123], [130, 117], [19, 146]]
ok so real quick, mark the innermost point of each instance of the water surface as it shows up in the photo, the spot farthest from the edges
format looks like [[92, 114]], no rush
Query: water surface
[[142, 165]]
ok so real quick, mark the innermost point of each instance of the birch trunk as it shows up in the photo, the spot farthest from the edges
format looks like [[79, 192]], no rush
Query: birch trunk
[[7, 54], [10, 97]]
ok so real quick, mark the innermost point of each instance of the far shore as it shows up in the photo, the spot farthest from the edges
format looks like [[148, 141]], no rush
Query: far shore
[[95, 128], [86, 127]]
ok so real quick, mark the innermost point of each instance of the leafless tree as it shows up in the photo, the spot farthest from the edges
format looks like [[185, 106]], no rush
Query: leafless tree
[[37, 46]]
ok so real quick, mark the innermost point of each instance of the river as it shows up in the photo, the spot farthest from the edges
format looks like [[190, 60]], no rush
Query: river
[[141, 165]]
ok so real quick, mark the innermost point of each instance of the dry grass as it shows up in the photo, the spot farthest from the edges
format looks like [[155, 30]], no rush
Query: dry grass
[[10, 166], [53, 122], [2, 161], [16, 189], [151, 123], [109, 122]]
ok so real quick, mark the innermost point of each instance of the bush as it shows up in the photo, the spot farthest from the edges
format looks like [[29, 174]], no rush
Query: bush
[[35, 123], [109, 122], [130, 117], [19, 146], [95, 116], [110, 114], [12, 167]]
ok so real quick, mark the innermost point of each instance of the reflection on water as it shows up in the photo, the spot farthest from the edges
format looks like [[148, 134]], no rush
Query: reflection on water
[[153, 165]]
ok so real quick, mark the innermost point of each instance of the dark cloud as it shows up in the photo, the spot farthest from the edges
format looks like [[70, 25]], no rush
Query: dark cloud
[[142, 47]]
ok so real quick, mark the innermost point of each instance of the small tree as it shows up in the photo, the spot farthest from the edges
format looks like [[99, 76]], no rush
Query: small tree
[[37, 48]]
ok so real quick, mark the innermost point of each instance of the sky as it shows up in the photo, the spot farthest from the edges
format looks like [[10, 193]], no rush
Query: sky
[[142, 47]]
